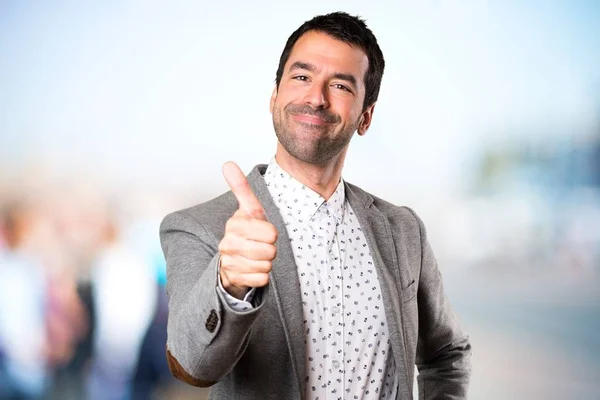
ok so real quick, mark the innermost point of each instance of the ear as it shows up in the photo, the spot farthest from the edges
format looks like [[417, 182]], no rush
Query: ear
[[365, 120], [273, 98]]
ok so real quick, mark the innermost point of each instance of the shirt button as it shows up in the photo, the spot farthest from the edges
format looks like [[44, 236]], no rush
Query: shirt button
[[336, 309], [336, 364]]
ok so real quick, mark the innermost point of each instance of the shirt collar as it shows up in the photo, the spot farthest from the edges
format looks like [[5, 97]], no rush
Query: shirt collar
[[294, 199]]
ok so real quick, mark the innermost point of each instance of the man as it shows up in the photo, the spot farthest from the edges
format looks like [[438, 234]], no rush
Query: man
[[297, 284]]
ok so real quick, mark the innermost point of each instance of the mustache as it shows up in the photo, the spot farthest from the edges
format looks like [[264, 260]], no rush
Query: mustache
[[305, 109]]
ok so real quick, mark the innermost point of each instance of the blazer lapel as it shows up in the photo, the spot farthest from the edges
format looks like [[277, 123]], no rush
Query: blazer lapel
[[376, 228], [284, 283]]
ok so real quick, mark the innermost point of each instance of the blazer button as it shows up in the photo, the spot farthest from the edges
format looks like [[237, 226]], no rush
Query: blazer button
[[211, 321]]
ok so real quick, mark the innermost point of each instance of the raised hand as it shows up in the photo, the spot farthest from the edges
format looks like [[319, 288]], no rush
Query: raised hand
[[248, 246]]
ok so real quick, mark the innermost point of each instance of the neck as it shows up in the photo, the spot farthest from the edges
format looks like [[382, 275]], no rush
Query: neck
[[323, 179]]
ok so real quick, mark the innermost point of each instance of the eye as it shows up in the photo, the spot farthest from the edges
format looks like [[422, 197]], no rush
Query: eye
[[342, 87], [300, 78]]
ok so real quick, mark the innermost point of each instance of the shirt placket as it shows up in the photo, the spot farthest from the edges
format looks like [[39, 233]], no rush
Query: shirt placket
[[335, 314]]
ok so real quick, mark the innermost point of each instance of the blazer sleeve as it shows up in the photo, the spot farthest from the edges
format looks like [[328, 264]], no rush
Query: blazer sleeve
[[443, 349], [205, 337]]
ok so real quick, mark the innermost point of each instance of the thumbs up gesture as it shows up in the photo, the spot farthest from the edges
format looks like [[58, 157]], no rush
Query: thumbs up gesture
[[248, 246]]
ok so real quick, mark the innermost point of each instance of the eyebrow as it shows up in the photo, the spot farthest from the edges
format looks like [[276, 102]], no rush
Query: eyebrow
[[311, 68]]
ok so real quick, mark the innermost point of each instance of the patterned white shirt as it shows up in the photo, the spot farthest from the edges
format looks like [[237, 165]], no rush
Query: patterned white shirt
[[348, 350]]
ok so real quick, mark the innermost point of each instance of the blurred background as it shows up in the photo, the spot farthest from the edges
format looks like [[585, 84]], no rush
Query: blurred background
[[113, 114]]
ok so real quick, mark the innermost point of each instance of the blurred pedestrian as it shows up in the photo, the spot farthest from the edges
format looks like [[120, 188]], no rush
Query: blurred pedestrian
[[23, 303], [123, 289]]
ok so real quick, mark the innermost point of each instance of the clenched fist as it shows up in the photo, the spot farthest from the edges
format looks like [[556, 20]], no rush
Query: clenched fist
[[248, 247]]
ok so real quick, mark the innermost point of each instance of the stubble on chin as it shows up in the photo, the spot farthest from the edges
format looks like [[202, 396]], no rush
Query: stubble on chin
[[314, 147]]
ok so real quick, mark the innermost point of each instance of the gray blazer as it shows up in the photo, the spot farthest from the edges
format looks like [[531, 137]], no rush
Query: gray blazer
[[259, 354]]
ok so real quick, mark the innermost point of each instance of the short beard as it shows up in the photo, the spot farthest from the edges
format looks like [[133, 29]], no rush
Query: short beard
[[320, 151]]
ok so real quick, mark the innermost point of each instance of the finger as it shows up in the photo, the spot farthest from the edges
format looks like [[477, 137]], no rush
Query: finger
[[240, 264], [241, 189], [240, 280], [237, 292], [253, 250], [258, 251], [253, 229]]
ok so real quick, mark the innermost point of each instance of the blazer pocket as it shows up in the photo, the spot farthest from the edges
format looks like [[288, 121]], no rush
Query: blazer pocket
[[409, 292]]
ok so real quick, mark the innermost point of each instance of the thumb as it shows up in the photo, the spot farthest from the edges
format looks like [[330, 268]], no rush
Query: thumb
[[240, 187]]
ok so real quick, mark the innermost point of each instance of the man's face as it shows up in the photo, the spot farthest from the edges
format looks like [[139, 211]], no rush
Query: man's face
[[318, 105]]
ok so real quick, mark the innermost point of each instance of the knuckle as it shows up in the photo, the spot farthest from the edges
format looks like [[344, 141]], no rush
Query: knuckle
[[268, 266], [236, 279], [234, 223], [228, 244], [223, 247], [227, 262], [272, 252], [262, 267], [273, 234], [262, 280]]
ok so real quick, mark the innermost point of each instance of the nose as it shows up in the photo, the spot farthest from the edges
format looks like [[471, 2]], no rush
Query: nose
[[316, 96]]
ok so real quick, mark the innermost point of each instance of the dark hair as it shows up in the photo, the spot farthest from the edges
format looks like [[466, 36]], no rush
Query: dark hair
[[352, 30]]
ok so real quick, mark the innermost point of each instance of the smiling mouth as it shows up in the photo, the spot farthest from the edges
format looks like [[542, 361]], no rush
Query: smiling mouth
[[310, 119]]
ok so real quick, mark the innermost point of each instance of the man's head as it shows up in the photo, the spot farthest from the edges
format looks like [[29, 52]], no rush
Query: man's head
[[17, 219], [327, 84], [348, 29]]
